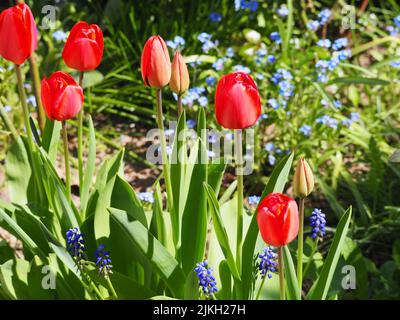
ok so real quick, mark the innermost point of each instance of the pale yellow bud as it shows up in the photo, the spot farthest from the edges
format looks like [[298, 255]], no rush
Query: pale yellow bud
[[303, 182]]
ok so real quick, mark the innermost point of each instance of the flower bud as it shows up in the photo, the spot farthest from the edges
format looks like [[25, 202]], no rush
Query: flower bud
[[179, 82], [155, 63], [303, 182]]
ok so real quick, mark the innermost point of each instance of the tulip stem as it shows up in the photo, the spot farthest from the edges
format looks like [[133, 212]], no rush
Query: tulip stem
[[7, 123], [80, 140], [36, 87], [25, 108], [300, 245], [281, 273], [165, 161], [239, 174], [66, 157], [111, 287], [179, 105]]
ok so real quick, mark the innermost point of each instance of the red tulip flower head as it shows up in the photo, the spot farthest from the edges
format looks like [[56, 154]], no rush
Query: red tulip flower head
[[84, 47], [62, 97], [18, 34], [237, 101], [155, 63], [278, 219]]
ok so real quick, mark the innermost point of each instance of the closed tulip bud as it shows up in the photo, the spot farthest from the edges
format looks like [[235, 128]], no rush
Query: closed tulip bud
[[62, 97], [278, 219], [179, 82], [155, 63], [303, 182], [237, 101], [84, 48], [18, 34]]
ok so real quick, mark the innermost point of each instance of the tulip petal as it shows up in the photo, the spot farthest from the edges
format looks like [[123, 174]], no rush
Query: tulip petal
[[69, 103], [83, 55]]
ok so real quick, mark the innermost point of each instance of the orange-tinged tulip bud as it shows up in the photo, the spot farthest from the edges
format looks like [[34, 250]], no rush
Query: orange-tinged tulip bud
[[155, 63], [179, 82], [303, 182]]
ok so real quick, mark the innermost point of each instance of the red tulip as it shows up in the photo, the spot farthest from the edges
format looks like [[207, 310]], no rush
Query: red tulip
[[62, 97], [155, 63], [84, 47], [278, 219], [237, 101], [18, 33]]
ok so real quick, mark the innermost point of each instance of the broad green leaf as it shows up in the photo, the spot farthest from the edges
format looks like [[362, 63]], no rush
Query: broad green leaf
[[228, 193], [216, 172], [19, 172], [320, 288], [14, 279], [192, 286], [226, 280], [124, 198], [162, 261], [157, 225], [220, 231], [276, 183], [90, 166], [293, 292], [51, 138]]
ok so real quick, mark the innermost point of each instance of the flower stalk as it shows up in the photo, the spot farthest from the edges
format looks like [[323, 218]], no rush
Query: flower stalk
[[80, 138], [239, 173], [281, 274], [66, 157], [300, 245]]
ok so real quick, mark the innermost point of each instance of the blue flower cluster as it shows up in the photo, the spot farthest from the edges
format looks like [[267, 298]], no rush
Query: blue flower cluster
[[253, 200], [190, 123], [394, 30], [354, 117], [283, 79], [318, 223], [270, 148], [75, 244], [218, 65], [240, 68], [328, 121], [60, 36], [306, 130], [268, 263], [275, 37], [146, 197], [210, 80], [207, 281], [195, 94], [252, 5], [323, 17], [325, 66], [205, 39], [177, 43], [215, 17], [103, 261]]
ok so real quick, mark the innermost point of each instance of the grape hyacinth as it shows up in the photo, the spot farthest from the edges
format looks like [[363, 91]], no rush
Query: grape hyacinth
[[207, 281], [318, 224], [103, 261], [268, 263], [75, 244]]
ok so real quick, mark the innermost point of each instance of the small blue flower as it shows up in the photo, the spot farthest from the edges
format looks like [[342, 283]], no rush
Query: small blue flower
[[103, 261], [260, 76], [395, 64], [340, 43], [230, 53], [210, 80], [203, 37], [31, 100], [7, 108], [207, 281], [269, 147], [317, 223], [306, 130], [176, 43], [215, 17], [271, 159], [392, 30], [324, 102], [203, 101], [324, 16], [271, 59], [218, 65], [253, 200], [59, 35], [208, 45], [324, 43], [396, 21], [240, 68], [75, 244], [190, 123], [273, 103], [252, 5], [275, 36], [286, 88], [283, 10], [210, 154], [146, 197], [213, 137], [354, 116], [268, 263], [313, 25], [328, 121]]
